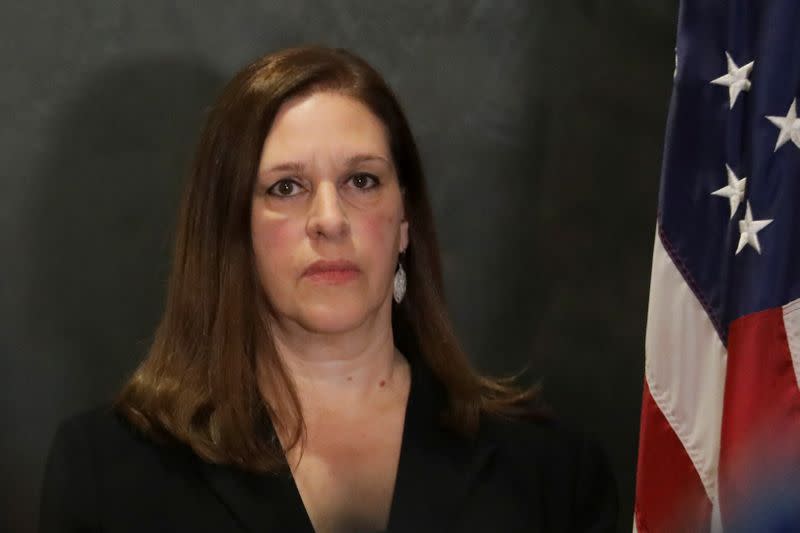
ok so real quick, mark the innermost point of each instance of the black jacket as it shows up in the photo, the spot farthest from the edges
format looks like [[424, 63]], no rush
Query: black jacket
[[515, 476]]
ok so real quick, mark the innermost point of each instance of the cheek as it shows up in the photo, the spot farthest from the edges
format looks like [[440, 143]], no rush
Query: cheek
[[380, 231], [273, 240]]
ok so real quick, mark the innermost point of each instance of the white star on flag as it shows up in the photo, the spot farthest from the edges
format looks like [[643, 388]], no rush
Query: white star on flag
[[748, 231], [789, 125], [736, 79], [733, 191]]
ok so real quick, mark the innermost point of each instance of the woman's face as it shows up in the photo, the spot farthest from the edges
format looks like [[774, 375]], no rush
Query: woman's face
[[327, 190]]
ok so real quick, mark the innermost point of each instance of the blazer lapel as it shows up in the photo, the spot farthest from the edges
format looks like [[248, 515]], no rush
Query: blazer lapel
[[263, 503], [437, 467]]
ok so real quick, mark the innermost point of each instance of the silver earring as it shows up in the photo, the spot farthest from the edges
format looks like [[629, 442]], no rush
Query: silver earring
[[399, 283]]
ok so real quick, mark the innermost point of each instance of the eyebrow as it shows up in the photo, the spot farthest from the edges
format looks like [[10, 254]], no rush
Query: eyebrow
[[297, 166], [360, 158]]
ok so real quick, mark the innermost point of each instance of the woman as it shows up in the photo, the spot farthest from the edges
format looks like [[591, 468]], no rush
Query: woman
[[305, 376]]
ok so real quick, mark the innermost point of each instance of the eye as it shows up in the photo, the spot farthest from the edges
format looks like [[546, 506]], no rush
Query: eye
[[364, 181], [284, 188]]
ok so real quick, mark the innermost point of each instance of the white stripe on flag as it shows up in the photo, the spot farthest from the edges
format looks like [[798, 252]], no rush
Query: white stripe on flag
[[791, 322], [685, 363]]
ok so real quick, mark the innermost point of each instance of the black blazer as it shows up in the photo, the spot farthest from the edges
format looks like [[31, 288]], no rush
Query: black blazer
[[527, 476]]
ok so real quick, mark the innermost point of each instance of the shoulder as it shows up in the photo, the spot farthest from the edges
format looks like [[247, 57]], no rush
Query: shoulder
[[98, 422], [105, 443], [572, 466], [100, 435], [538, 439], [97, 462]]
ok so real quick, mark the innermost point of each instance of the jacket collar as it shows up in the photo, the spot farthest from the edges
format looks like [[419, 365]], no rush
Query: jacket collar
[[437, 466], [268, 502], [435, 470]]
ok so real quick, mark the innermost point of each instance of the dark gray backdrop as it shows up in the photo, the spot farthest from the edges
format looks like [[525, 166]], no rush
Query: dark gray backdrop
[[540, 124]]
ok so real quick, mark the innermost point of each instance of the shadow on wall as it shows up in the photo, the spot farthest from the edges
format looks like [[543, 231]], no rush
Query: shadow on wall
[[99, 238]]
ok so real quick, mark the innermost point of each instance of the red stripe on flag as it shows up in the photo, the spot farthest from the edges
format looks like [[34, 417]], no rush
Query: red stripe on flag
[[761, 416], [669, 493]]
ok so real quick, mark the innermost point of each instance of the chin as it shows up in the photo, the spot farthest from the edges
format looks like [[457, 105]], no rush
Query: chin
[[333, 318]]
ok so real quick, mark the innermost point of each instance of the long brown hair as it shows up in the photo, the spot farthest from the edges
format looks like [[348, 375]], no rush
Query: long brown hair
[[198, 384]]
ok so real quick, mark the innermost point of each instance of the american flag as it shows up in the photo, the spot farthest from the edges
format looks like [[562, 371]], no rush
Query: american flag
[[721, 404]]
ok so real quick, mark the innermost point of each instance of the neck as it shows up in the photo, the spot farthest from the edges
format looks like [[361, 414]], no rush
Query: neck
[[341, 373]]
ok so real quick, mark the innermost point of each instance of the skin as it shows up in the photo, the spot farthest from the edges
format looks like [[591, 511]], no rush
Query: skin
[[327, 189]]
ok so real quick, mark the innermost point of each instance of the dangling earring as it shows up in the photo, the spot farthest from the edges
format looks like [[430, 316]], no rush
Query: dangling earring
[[399, 282]]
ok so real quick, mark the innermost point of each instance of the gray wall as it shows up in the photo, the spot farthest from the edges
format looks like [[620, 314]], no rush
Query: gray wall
[[541, 127]]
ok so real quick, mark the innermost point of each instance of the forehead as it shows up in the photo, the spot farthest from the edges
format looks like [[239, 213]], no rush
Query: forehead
[[324, 125]]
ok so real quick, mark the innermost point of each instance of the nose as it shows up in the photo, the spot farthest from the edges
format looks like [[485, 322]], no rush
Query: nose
[[326, 218]]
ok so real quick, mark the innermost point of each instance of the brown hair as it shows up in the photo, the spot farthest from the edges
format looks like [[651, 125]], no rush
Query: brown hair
[[198, 384]]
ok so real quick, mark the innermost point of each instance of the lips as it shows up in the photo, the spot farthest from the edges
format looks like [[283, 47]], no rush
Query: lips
[[339, 267]]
